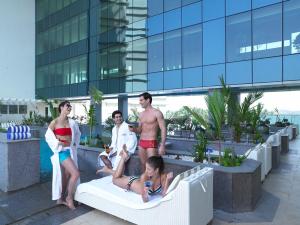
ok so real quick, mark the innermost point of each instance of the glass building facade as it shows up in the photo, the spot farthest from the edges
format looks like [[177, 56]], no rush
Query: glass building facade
[[127, 46]]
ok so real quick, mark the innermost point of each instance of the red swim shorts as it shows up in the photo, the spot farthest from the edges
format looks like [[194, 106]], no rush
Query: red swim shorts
[[148, 144]]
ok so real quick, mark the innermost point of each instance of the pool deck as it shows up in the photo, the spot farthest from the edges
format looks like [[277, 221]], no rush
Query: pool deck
[[279, 204]]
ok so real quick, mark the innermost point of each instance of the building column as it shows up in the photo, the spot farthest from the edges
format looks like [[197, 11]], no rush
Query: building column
[[123, 105], [98, 114]]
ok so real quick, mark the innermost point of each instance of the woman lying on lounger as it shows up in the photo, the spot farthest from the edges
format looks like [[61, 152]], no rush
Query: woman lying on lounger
[[152, 181]]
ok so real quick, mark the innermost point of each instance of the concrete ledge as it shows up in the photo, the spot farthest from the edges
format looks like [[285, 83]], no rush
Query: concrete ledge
[[20, 164]]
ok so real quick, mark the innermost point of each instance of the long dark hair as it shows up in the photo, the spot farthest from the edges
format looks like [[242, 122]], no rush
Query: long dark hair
[[156, 162]]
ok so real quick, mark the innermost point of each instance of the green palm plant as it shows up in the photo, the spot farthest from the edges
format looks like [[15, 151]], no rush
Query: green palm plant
[[216, 112], [96, 97]]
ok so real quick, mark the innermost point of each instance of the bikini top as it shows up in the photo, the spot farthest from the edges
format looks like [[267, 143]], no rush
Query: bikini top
[[65, 131], [156, 191]]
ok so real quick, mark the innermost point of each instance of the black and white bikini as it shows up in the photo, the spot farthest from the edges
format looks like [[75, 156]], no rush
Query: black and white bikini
[[150, 191]]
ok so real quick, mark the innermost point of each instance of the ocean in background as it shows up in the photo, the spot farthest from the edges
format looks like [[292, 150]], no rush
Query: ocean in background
[[295, 119]]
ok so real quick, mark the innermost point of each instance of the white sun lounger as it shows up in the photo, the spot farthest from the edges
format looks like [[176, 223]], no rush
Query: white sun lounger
[[189, 200]]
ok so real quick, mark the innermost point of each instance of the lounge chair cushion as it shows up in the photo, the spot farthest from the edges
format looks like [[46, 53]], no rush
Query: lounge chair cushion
[[104, 188]]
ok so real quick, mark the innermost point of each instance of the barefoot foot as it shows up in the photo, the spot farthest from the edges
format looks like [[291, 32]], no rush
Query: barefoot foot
[[69, 203]]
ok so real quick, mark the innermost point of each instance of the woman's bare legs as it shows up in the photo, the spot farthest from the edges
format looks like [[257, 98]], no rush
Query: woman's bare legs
[[71, 169], [122, 181], [64, 177]]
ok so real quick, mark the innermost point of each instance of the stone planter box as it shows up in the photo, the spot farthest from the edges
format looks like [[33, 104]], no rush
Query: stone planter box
[[236, 189], [20, 163], [284, 143], [186, 146]]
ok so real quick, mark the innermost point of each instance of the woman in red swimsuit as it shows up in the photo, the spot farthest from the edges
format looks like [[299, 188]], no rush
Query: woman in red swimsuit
[[69, 171]]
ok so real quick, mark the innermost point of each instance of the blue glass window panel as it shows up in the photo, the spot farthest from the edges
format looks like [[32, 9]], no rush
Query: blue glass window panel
[[139, 83], [213, 9], [172, 79], [212, 74], [191, 14], [192, 46], [155, 25], [267, 70], [126, 84], [267, 31], [155, 7], [171, 4], [155, 53], [238, 37], [155, 81], [261, 3], [113, 86], [192, 77], [172, 20], [172, 50], [291, 16], [214, 42], [239, 72], [237, 6], [291, 67], [186, 2]]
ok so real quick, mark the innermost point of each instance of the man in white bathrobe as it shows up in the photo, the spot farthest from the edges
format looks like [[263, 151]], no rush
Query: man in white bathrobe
[[122, 138]]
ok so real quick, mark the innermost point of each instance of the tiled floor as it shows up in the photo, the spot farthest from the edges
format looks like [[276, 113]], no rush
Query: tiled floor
[[279, 204]]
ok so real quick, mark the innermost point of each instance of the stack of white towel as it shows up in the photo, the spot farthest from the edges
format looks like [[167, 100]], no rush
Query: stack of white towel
[[18, 132]]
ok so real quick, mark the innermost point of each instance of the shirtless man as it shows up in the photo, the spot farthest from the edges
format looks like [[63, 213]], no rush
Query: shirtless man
[[150, 120]]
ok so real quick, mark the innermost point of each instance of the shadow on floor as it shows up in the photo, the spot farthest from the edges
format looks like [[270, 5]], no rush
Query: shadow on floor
[[265, 211]]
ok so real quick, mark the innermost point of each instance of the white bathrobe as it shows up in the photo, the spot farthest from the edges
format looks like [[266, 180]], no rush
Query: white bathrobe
[[53, 143], [120, 137]]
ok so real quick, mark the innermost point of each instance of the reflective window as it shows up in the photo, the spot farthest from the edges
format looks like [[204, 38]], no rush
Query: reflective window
[[138, 30], [155, 81], [139, 83], [139, 56], [291, 16], [192, 46], [155, 25], [237, 6], [83, 69], [139, 10], [155, 7], [13, 109], [213, 9], [191, 14], [214, 42], [67, 33], [74, 30], [155, 53], [113, 85], [172, 50], [126, 84], [212, 74], [186, 2], [171, 4], [260, 3], [83, 27], [172, 79], [267, 31], [267, 70], [3, 109], [22, 109], [192, 77], [238, 37], [291, 67], [239, 72], [172, 20]]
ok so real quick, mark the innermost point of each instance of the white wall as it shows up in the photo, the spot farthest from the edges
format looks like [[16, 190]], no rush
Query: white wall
[[17, 49]]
